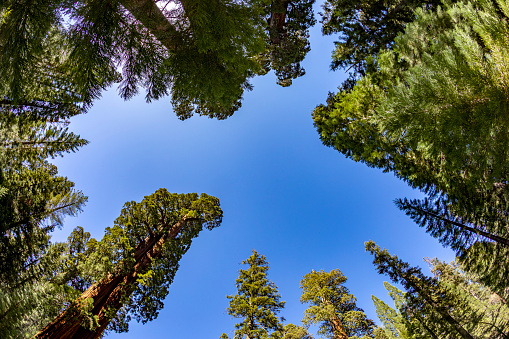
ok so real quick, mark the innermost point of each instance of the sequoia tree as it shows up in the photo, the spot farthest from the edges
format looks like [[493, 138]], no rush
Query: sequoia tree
[[135, 261], [203, 52], [333, 307]]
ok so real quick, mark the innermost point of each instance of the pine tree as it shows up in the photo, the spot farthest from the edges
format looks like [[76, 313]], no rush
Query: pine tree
[[333, 307], [128, 272], [257, 302], [203, 52], [291, 331]]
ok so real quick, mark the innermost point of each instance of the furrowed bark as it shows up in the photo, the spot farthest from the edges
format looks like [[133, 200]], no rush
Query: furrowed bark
[[108, 293], [337, 328]]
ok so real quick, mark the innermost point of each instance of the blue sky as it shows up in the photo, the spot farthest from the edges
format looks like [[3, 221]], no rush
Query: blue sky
[[301, 204]]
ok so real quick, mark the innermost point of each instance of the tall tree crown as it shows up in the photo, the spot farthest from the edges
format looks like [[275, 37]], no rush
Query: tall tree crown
[[257, 302], [333, 307]]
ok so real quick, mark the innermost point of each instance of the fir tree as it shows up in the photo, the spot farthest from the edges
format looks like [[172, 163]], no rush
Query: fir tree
[[364, 29], [388, 317], [333, 307], [426, 295], [257, 302], [35, 199], [420, 113]]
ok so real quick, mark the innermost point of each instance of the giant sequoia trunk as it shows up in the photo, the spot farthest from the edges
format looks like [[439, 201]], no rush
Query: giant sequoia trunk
[[108, 293], [338, 329]]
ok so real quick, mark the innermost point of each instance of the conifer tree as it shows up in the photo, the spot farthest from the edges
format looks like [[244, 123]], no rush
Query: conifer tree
[[333, 307], [472, 303], [202, 52], [388, 317], [34, 199], [291, 331], [257, 302], [407, 322], [430, 112], [426, 293], [128, 272], [364, 29]]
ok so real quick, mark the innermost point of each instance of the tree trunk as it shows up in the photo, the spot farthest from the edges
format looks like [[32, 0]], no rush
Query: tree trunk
[[150, 16], [338, 330], [443, 312], [108, 293], [277, 20], [490, 236]]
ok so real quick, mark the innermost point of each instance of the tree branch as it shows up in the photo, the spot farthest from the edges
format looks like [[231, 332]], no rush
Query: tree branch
[[150, 16]]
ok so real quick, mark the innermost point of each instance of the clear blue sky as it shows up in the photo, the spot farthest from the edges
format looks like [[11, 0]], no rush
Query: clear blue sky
[[301, 204]]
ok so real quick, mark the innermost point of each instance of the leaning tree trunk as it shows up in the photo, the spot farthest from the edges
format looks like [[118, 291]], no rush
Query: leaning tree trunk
[[338, 329], [108, 293]]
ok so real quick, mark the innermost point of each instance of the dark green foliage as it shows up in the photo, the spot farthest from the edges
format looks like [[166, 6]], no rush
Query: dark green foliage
[[257, 302], [203, 52], [365, 28], [421, 112], [333, 307], [34, 199], [153, 216], [288, 24], [428, 296]]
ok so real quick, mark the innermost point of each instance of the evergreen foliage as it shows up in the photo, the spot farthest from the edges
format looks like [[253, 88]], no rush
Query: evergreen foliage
[[257, 303], [203, 52], [35, 199], [420, 112], [127, 273], [411, 322], [442, 311], [388, 317], [365, 28], [291, 331], [333, 307]]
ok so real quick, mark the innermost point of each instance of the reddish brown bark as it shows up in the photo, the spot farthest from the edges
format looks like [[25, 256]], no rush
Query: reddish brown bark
[[337, 328], [277, 20], [108, 293]]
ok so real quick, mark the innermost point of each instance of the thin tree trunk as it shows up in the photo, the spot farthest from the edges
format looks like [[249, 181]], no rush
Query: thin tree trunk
[[108, 293], [421, 321], [443, 312], [491, 236]]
